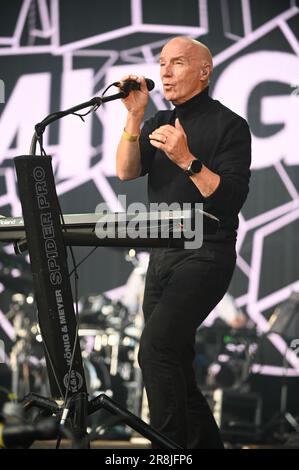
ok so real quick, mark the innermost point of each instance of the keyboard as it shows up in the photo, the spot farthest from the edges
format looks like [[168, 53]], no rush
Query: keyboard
[[85, 229]]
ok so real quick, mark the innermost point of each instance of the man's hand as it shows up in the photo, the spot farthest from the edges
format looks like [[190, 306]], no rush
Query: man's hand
[[137, 100], [173, 141]]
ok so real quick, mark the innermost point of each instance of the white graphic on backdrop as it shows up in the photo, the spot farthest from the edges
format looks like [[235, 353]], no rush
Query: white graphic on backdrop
[[2, 91], [249, 71], [243, 74]]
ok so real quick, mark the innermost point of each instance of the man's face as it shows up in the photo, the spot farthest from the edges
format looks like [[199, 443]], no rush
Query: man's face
[[180, 66]]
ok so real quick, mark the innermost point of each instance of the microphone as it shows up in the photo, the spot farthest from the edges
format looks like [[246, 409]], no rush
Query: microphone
[[129, 85]]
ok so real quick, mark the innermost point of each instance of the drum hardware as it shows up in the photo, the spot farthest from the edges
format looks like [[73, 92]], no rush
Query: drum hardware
[[280, 414], [26, 357], [101, 312], [27, 362], [108, 359], [224, 357]]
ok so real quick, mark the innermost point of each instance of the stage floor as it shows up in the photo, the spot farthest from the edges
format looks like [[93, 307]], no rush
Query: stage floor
[[135, 443]]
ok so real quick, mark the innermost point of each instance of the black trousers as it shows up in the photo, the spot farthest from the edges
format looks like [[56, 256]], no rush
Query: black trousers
[[182, 287]]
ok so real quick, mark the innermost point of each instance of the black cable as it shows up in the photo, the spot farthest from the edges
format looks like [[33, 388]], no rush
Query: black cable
[[106, 89], [65, 403], [64, 416], [83, 259], [95, 107], [81, 116], [68, 434], [42, 150]]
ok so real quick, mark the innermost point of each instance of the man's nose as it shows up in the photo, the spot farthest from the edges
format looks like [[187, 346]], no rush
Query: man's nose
[[166, 71]]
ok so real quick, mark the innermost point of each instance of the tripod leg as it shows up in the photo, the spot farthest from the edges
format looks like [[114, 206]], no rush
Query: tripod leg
[[33, 400], [102, 401], [79, 405]]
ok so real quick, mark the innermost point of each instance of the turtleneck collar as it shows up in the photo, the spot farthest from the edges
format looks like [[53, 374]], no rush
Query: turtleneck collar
[[198, 103]]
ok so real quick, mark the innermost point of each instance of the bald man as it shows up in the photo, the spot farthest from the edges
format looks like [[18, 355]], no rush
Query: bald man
[[198, 152]]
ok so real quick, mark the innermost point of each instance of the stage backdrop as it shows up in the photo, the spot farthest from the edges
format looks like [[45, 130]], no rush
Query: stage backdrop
[[55, 54]]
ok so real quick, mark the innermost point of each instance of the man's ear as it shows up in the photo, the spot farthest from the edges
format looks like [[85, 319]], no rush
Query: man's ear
[[205, 72]]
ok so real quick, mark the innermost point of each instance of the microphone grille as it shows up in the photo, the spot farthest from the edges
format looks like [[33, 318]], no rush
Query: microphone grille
[[150, 84]]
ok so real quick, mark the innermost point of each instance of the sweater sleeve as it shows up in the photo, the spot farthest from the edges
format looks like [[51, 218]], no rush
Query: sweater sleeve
[[232, 164], [147, 151]]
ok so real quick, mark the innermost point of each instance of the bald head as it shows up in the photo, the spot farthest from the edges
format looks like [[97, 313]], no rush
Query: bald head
[[196, 48], [185, 68]]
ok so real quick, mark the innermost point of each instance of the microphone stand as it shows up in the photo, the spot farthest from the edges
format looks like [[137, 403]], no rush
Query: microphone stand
[[95, 103], [21, 245]]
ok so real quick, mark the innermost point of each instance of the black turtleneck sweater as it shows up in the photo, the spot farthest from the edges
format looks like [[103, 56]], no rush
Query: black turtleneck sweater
[[221, 140]]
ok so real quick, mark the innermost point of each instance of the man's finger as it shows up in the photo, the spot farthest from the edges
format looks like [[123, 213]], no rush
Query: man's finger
[[156, 143], [157, 136], [166, 127], [178, 125]]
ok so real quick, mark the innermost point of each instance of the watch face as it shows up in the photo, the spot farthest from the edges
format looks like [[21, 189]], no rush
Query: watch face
[[196, 166]]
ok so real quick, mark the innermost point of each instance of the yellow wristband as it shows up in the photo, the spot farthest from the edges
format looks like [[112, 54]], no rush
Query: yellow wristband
[[129, 137], [2, 445]]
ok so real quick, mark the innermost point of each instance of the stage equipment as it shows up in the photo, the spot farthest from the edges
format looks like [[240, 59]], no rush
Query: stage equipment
[[45, 238]]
